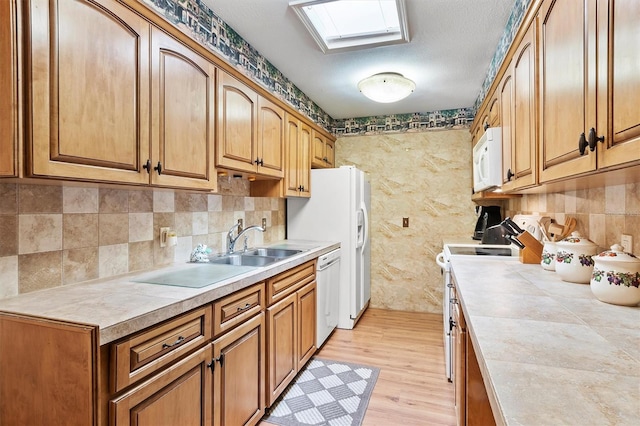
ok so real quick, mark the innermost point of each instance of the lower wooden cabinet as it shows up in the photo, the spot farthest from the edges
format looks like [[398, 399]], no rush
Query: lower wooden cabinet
[[306, 298], [180, 395], [282, 338], [220, 364], [239, 374], [291, 326], [471, 400]]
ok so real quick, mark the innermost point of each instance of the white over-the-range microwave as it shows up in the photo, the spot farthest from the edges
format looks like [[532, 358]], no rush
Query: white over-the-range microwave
[[487, 160]]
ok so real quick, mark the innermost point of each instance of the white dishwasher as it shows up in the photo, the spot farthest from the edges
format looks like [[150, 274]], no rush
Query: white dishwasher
[[328, 289]]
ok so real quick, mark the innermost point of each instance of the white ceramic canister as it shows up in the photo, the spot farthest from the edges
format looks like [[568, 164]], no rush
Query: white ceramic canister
[[616, 277], [574, 262], [548, 261]]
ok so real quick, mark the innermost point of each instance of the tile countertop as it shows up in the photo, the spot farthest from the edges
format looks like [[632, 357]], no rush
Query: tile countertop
[[548, 350], [120, 306]]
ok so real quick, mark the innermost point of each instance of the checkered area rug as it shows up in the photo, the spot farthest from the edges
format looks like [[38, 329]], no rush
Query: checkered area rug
[[325, 393]]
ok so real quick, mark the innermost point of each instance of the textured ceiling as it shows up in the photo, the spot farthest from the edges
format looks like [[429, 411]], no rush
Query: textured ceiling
[[452, 43]]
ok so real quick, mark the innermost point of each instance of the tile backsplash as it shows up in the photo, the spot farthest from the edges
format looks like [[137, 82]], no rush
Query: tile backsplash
[[603, 214], [52, 235]]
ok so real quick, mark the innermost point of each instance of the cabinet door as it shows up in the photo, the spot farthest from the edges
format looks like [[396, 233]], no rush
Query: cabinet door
[[619, 81], [307, 318], [304, 161], [183, 119], [270, 138], [180, 395], [88, 91], [330, 154], [281, 345], [318, 153], [239, 374], [494, 111], [524, 141], [237, 125], [459, 340], [9, 88], [506, 104], [567, 89], [292, 135]]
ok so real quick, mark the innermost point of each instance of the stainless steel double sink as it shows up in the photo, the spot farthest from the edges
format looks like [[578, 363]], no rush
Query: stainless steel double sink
[[254, 257]]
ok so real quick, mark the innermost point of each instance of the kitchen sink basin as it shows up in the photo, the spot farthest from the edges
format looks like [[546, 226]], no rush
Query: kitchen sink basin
[[244, 260], [272, 252]]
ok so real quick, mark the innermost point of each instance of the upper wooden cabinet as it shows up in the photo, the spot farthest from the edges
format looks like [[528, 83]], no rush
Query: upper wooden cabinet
[[97, 76], [270, 149], [237, 124], [589, 86], [567, 86], [298, 158], [250, 130], [9, 112], [183, 115], [88, 85], [618, 82], [323, 152], [518, 111], [493, 118]]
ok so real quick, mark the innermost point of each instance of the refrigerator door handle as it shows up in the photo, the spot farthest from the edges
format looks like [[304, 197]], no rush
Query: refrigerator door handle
[[365, 230]]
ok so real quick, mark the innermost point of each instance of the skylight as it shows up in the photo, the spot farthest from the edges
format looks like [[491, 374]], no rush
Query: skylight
[[338, 25]]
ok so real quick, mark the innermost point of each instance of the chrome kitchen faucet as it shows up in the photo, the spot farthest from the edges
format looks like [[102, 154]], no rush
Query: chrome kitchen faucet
[[231, 241]]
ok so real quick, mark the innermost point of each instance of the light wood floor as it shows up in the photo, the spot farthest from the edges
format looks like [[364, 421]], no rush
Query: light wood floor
[[412, 389]]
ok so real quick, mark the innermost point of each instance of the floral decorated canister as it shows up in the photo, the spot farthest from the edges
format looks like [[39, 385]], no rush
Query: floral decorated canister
[[548, 258], [616, 277], [574, 258]]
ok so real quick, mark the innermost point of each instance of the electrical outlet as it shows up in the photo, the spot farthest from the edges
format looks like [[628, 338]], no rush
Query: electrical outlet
[[264, 222], [626, 241], [240, 225], [405, 222], [163, 236]]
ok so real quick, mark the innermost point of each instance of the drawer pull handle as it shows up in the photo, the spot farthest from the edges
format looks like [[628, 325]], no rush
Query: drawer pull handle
[[245, 307], [179, 340]]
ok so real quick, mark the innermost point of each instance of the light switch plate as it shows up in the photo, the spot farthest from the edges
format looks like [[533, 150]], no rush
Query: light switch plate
[[264, 222], [405, 222], [626, 241]]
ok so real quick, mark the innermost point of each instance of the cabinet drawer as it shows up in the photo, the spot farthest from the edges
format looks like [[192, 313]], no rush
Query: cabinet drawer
[[146, 352], [232, 310], [283, 284]]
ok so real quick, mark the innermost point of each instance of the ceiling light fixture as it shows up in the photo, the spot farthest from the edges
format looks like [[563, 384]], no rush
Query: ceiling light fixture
[[386, 87]]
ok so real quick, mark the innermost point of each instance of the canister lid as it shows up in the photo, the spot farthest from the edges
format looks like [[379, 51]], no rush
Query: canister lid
[[617, 254], [576, 240]]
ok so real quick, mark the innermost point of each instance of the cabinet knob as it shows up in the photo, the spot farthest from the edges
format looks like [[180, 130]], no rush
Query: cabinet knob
[[510, 174], [262, 162], [593, 139], [147, 166], [158, 168], [582, 144]]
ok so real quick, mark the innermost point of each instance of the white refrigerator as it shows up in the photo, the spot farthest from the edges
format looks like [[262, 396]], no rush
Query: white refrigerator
[[338, 210]]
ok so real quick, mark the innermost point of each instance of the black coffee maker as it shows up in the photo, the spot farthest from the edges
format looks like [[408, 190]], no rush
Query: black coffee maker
[[488, 216]]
